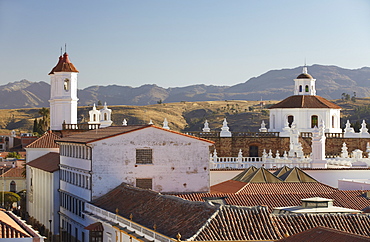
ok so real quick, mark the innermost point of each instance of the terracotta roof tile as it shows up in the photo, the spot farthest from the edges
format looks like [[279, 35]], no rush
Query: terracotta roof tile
[[99, 134], [64, 65], [98, 226], [14, 173], [49, 162], [171, 214], [305, 101], [10, 228], [45, 141]]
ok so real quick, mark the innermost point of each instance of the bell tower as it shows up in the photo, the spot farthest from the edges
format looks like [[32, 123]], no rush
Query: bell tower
[[63, 93], [305, 84]]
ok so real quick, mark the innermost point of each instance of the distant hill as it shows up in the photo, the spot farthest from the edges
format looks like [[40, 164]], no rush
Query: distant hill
[[331, 82]]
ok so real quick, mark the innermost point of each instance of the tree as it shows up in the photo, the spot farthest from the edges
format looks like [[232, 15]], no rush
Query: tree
[[13, 155], [44, 122], [9, 198]]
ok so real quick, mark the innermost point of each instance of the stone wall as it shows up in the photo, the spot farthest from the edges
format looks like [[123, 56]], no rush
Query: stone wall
[[230, 146]]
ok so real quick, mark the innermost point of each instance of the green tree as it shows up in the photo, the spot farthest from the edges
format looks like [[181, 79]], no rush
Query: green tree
[[13, 155], [9, 198], [44, 122]]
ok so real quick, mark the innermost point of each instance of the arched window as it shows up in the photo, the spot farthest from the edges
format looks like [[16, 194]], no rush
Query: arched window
[[94, 117], [306, 88], [105, 116], [290, 120], [314, 121], [13, 186], [66, 84], [300, 88]]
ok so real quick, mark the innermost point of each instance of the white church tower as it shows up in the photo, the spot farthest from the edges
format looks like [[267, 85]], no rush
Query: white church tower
[[304, 84], [63, 94]]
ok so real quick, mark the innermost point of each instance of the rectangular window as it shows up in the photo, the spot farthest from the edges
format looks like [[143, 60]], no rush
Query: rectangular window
[[145, 183], [144, 156]]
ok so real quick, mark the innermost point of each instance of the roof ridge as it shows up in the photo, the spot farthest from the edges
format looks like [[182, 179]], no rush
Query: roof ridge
[[209, 220]]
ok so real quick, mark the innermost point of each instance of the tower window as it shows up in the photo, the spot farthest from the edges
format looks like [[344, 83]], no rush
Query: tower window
[[314, 121], [300, 88], [94, 117], [66, 84], [105, 116], [290, 120], [13, 186], [306, 88], [333, 121]]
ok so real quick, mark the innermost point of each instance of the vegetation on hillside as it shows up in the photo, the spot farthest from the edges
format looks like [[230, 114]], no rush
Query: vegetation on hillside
[[187, 116]]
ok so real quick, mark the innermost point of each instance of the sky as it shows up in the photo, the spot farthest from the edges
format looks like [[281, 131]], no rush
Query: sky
[[173, 43]]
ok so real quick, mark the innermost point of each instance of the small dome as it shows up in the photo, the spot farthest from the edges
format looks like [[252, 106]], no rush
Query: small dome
[[304, 76]]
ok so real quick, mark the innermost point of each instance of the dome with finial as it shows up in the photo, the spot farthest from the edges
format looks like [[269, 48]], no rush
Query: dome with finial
[[64, 65], [304, 75]]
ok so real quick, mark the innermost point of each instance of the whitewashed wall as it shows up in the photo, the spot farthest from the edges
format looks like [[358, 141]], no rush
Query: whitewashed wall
[[180, 163]]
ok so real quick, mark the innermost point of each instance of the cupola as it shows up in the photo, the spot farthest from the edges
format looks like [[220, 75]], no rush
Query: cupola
[[305, 84]]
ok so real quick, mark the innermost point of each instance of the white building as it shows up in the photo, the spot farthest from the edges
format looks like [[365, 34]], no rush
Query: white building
[[145, 156], [305, 109], [102, 116], [42, 169], [63, 94]]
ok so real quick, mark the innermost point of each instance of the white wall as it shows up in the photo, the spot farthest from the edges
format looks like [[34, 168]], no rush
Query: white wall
[[34, 153], [180, 163], [355, 184]]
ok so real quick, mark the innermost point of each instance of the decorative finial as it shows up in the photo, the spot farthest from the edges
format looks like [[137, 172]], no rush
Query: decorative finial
[[151, 122], [178, 236], [154, 227], [61, 51], [65, 47], [131, 216], [117, 210], [124, 123]]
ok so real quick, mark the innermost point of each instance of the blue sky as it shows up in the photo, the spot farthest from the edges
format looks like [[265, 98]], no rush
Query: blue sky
[[179, 43]]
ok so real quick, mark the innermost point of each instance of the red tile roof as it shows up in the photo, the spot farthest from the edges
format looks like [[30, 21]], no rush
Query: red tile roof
[[170, 214], [305, 101], [64, 65], [200, 221], [10, 228], [98, 226], [14, 173], [45, 141], [49, 162], [104, 133], [322, 234]]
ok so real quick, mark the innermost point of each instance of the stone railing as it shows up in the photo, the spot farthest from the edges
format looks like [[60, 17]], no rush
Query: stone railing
[[327, 135], [214, 134], [245, 162], [149, 234], [80, 126]]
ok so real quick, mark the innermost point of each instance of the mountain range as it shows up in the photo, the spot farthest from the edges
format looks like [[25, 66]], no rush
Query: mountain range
[[331, 83]]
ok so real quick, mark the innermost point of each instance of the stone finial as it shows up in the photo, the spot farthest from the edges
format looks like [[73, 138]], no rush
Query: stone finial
[[131, 216], [240, 154], [344, 151], [117, 210], [124, 122], [363, 129], [285, 155], [154, 227], [263, 127], [348, 128], [165, 124], [215, 153], [206, 127], [178, 237], [94, 107], [270, 154], [264, 154], [277, 155], [225, 130], [150, 122]]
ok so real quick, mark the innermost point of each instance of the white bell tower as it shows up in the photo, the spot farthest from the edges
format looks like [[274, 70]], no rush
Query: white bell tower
[[63, 93], [305, 84]]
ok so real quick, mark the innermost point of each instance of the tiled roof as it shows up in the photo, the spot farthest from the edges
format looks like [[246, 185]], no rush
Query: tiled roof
[[229, 186], [170, 214], [322, 234], [98, 226], [276, 195], [14, 173], [64, 65], [10, 228], [200, 221], [45, 141], [49, 162], [99, 134], [305, 101]]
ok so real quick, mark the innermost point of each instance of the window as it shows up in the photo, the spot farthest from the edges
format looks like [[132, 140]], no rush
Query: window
[[145, 183], [306, 89], [13, 186], [105, 116], [96, 236], [94, 117], [66, 84], [314, 121], [144, 156], [333, 121], [290, 120], [253, 151], [300, 88]]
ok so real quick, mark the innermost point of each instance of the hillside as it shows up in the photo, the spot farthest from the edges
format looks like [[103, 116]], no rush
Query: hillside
[[331, 82], [187, 116]]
